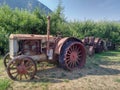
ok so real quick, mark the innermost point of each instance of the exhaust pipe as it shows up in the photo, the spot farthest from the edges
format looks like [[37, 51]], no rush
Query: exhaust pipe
[[48, 34]]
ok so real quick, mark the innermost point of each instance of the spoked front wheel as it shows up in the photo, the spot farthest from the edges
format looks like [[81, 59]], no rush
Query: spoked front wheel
[[21, 69]]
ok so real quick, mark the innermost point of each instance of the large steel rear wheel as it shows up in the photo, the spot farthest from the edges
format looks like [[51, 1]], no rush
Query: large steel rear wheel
[[21, 69], [72, 55]]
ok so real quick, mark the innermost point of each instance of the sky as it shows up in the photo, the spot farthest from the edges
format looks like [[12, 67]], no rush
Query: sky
[[87, 9]]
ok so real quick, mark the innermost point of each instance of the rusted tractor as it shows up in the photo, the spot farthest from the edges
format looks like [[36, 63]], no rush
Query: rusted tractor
[[99, 45], [26, 50], [89, 44], [93, 45]]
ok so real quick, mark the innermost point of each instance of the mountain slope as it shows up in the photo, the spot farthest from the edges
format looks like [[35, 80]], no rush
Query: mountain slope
[[26, 4]]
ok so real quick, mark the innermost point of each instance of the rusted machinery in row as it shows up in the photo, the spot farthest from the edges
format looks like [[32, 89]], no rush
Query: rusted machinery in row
[[26, 50], [93, 45], [110, 45]]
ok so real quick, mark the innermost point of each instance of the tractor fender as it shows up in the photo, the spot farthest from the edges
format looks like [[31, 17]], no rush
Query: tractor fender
[[62, 41]]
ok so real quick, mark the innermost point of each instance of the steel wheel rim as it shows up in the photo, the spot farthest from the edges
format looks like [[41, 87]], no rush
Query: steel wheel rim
[[73, 56], [23, 69], [6, 60]]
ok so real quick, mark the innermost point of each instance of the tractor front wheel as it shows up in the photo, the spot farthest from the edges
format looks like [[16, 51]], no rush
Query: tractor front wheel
[[6, 59], [21, 69]]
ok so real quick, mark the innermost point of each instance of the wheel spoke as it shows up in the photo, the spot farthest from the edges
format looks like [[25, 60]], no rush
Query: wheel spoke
[[16, 76], [69, 51], [25, 76], [79, 50], [72, 64], [79, 55], [72, 48], [68, 54], [12, 68], [75, 48], [77, 62], [14, 72], [68, 62], [29, 67], [21, 76]]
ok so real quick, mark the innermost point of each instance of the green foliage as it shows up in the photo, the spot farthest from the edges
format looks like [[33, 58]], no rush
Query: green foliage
[[19, 21], [4, 84], [3, 41], [22, 21]]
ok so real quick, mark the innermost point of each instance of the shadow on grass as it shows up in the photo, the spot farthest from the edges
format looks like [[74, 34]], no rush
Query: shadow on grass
[[93, 67], [56, 75]]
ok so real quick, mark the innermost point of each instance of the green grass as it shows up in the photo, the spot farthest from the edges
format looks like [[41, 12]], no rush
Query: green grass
[[66, 80], [4, 84], [1, 65], [44, 86], [117, 80], [1, 62], [108, 57], [63, 74]]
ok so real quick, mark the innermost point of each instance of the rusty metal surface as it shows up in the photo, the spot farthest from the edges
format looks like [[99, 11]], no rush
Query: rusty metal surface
[[48, 34], [59, 45], [91, 40], [62, 41], [97, 40], [86, 40], [91, 51], [93, 45], [30, 36], [30, 47]]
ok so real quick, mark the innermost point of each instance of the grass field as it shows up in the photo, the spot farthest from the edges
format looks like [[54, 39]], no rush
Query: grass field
[[101, 72]]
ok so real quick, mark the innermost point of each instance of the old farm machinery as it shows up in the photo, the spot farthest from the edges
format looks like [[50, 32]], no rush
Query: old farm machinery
[[26, 50], [94, 45]]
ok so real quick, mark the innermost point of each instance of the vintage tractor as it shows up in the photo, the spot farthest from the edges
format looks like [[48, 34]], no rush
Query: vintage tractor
[[93, 45], [89, 45], [99, 45], [26, 50]]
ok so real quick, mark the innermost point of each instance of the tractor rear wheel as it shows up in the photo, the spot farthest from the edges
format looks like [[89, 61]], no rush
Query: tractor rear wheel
[[72, 55], [21, 69]]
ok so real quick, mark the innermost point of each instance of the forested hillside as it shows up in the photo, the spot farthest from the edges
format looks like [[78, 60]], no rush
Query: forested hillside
[[29, 5], [23, 21]]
